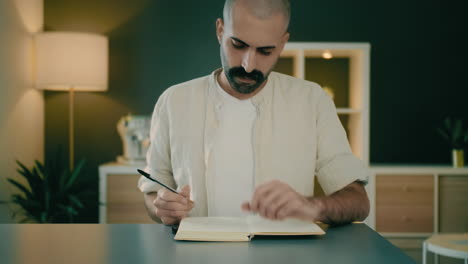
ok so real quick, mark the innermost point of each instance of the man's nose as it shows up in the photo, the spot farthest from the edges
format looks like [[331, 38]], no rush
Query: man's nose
[[248, 61]]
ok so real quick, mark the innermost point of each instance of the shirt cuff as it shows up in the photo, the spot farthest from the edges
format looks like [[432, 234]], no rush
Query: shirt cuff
[[340, 172]]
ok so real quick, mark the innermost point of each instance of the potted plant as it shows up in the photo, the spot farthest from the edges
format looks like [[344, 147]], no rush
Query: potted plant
[[51, 193], [456, 134]]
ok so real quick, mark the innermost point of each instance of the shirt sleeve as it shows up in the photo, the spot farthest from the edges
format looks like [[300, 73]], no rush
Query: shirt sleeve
[[336, 165], [158, 157]]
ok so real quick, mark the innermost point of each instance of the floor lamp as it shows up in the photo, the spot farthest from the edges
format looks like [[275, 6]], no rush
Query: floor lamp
[[73, 62]]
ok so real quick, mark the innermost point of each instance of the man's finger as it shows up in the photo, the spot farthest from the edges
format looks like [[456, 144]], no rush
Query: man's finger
[[267, 205], [246, 206], [259, 194], [169, 220], [159, 203], [185, 191], [170, 213], [275, 205], [169, 196], [261, 191]]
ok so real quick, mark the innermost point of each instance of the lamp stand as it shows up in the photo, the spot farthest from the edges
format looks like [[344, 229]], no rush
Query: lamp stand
[[71, 139]]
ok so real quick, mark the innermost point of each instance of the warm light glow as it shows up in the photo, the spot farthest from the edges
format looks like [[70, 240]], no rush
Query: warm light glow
[[31, 13], [67, 60], [327, 54]]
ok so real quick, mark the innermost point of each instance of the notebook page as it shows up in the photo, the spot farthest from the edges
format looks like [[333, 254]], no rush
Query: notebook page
[[214, 224], [258, 224]]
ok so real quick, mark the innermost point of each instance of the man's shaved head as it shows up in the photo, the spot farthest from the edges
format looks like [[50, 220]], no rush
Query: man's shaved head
[[262, 9], [252, 35]]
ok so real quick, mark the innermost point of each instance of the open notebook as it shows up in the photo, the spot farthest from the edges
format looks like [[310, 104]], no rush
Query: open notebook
[[241, 228]]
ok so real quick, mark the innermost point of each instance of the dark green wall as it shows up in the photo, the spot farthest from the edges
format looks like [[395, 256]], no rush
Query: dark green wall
[[417, 66]]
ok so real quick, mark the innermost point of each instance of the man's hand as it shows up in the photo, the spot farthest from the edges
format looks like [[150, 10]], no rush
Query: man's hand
[[171, 207], [276, 200]]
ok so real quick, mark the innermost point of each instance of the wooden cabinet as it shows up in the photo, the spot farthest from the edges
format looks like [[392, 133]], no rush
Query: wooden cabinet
[[453, 203], [121, 200], [410, 203], [404, 203]]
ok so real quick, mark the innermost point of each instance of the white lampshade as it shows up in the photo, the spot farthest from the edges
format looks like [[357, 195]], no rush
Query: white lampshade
[[66, 60]]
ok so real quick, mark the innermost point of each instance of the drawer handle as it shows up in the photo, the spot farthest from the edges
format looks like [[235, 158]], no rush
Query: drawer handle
[[405, 219], [406, 188]]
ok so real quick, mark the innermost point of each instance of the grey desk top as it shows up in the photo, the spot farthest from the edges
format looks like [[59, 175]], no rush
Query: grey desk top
[[153, 243]]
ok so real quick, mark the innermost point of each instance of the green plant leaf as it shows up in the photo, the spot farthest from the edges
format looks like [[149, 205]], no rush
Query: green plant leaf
[[76, 201], [30, 208], [40, 167], [457, 132], [54, 194], [71, 210], [63, 179], [44, 217], [35, 183], [448, 123], [21, 187], [23, 169], [75, 174]]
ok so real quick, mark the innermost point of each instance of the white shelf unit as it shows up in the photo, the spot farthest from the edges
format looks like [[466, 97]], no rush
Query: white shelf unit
[[357, 111]]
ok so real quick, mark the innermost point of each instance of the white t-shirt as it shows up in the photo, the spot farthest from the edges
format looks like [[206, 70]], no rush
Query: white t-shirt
[[233, 156]]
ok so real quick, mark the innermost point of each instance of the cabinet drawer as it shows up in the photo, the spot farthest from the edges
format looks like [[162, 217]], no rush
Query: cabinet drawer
[[127, 213], [125, 202], [404, 203], [453, 203], [122, 188], [411, 219]]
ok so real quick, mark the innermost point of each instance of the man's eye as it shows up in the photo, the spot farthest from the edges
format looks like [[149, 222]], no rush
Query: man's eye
[[264, 52], [238, 46]]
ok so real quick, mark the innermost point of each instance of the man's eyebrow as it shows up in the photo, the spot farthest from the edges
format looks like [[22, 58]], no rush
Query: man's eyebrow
[[247, 45]]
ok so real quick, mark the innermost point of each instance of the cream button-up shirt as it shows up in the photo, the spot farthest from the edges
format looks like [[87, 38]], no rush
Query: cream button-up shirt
[[296, 136]]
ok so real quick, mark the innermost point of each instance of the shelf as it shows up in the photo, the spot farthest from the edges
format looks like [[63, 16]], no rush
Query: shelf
[[345, 77], [347, 111], [417, 169]]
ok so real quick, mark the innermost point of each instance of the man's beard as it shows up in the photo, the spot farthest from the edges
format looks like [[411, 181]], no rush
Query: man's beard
[[239, 72]]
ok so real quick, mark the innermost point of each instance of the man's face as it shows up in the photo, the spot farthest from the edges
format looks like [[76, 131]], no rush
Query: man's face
[[250, 48]]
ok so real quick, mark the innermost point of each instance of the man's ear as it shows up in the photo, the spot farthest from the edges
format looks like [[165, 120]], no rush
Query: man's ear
[[219, 29], [284, 40]]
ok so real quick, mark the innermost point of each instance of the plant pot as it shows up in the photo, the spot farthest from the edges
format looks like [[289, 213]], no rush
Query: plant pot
[[458, 158]]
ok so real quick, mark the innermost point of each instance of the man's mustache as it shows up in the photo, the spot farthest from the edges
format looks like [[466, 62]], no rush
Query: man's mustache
[[255, 75]]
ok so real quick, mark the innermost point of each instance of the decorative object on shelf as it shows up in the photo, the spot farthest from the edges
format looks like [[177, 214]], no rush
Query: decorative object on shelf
[[68, 61], [52, 193], [134, 131], [456, 134]]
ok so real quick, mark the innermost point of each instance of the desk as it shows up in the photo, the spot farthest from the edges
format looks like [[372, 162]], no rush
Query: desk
[[153, 243]]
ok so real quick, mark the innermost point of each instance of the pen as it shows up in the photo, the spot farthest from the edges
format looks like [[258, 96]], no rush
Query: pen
[[146, 175]]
